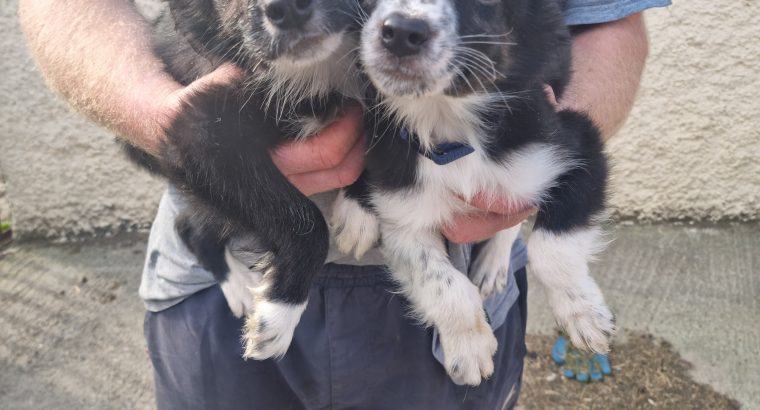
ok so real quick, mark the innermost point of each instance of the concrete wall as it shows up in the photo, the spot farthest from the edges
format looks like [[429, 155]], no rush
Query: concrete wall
[[690, 150], [65, 177], [5, 207]]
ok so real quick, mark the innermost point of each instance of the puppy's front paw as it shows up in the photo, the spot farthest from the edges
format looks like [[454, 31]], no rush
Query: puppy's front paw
[[468, 356], [585, 317], [269, 328], [490, 269], [490, 272], [354, 227]]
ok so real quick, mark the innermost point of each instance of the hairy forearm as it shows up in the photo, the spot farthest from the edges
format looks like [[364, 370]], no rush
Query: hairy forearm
[[98, 55], [608, 60]]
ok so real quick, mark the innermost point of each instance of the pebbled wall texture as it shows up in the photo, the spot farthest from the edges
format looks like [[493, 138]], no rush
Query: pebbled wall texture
[[65, 178], [689, 151], [5, 208]]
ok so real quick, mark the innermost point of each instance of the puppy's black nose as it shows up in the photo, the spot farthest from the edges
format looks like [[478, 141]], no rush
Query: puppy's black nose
[[404, 36], [289, 14]]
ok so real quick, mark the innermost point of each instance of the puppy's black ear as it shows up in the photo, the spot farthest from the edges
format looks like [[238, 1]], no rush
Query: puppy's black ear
[[199, 23]]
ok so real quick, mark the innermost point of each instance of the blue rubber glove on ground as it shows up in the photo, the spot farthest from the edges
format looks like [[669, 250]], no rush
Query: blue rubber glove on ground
[[576, 365]]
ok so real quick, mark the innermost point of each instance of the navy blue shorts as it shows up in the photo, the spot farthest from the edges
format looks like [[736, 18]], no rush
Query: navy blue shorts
[[354, 348]]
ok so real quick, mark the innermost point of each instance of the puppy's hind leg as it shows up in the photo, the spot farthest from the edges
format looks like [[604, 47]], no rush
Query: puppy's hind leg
[[566, 236], [207, 236], [559, 260], [243, 255], [267, 280]]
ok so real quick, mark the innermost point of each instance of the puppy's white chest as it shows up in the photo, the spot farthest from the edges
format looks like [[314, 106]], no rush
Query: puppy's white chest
[[522, 177], [462, 178]]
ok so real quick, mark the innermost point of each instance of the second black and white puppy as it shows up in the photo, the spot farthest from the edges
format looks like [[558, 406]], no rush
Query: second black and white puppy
[[297, 55], [460, 109]]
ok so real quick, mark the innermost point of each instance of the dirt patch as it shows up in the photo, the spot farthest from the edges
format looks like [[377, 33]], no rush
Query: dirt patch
[[647, 373]]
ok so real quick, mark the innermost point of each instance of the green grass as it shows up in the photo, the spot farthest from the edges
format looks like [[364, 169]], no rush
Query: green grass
[[4, 227]]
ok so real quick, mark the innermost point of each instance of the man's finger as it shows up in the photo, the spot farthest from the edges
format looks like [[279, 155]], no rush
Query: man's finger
[[326, 180], [479, 227], [226, 74], [497, 205], [551, 96], [324, 151]]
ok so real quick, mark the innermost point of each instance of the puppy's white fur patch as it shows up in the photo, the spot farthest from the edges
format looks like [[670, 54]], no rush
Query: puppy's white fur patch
[[335, 72], [289, 84], [522, 178], [440, 118], [236, 287], [490, 269], [308, 126], [354, 228], [314, 55], [560, 263], [269, 327]]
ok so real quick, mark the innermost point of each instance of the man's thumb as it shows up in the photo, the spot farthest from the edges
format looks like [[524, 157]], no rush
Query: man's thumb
[[226, 74]]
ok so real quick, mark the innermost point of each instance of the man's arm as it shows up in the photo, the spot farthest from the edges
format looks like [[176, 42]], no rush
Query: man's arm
[[608, 60], [98, 55]]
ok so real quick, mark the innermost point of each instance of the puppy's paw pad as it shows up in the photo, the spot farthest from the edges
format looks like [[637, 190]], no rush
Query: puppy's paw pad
[[269, 328]]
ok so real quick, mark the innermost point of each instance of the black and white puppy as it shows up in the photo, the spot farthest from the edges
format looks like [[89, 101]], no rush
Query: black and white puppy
[[460, 109], [300, 74]]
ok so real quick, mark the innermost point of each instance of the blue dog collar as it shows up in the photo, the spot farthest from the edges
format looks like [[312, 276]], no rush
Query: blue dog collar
[[441, 154]]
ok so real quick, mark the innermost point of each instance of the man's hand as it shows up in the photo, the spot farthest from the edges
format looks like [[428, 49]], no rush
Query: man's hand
[[494, 215], [330, 160]]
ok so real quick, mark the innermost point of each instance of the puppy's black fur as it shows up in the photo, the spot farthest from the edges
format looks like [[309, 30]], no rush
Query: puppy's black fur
[[217, 150]]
